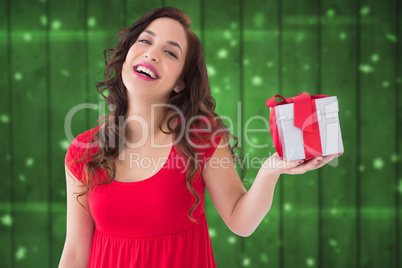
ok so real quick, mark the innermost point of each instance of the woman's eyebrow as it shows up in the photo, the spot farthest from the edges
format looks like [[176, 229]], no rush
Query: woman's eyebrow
[[169, 42]]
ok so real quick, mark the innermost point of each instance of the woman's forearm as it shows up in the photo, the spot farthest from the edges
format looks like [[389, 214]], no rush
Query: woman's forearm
[[255, 204]]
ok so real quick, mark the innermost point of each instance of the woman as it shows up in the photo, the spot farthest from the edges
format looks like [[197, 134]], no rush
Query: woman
[[135, 214]]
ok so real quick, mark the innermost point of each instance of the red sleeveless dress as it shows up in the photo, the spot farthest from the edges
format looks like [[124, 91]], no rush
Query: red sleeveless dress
[[145, 224]]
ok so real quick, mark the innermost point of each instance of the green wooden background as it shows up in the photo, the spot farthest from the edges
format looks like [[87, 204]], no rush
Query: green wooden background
[[344, 216]]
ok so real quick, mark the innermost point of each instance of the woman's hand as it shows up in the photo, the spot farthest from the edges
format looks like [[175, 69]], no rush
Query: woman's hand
[[278, 166]]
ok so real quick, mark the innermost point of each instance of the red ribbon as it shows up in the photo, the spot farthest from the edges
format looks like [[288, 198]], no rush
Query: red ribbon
[[305, 118]]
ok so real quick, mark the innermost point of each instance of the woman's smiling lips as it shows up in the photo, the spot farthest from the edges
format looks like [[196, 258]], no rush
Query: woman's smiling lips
[[151, 71]]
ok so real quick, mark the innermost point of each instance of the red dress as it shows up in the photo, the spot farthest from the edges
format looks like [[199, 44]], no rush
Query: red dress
[[145, 223]]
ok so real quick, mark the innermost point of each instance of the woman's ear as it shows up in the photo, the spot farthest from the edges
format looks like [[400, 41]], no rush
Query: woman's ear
[[179, 87]]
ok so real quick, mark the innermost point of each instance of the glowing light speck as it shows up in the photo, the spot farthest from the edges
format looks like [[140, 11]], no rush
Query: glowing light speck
[[227, 34], [43, 20], [310, 262], [385, 84], [257, 80], [246, 261], [333, 242], [212, 232], [4, 118], [362, 168], [394, 158], [222, 53], [259, 19], [330, 12], [56, 24], [287, 207], [27, 37], [365, 68], [18, 76], [6, 220], [391, 37], [365, 10], [342, 36], [20, 253], [375, 57], [264, 258], [211, 70], [29, 162], [21, 178], [231, 239], [378, 163], [65, 72], [91, 22], [64, 144]]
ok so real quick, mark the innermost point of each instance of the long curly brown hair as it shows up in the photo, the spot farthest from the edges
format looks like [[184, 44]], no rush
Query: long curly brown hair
[[194, 102]]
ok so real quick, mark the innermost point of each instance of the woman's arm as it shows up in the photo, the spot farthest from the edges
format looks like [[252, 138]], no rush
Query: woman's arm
[[243, 211], [80, 226]]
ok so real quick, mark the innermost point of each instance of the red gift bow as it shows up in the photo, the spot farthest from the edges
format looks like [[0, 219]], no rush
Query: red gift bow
[[305, 118]]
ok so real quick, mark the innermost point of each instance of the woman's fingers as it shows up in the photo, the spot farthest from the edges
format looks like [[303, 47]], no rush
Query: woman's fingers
[[298, 166], [328, 159]]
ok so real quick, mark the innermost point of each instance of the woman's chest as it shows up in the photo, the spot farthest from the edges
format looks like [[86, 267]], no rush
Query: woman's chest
[[152, 207], [134, 165]]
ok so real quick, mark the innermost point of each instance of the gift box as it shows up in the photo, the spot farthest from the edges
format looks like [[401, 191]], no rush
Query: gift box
[[304, 127]]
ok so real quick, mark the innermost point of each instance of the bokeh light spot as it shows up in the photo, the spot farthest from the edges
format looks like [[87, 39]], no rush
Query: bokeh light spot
[[91, 22], [391, 37], [20, 253], [4, 118], [222, 53], [365, 10], [43, 20], [375, 57], [211, 70], [29, 162], [246, 261], [310, 262], [18, 76], [212, 232], [56, 24], [365, 68], [6, 220], [330, 12], [257, 80], [378, 163], [342, 36]]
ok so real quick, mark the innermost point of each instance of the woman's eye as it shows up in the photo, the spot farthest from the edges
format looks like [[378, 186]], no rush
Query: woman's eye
[[144, 41], [171, 53]]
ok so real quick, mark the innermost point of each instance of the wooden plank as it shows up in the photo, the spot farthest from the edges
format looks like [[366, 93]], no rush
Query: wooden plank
[[6, 216], [30, 145], [221, 22], [377, 134], [100, 37], [68, 90], [135, 9], [192, 9], [398, 157], [300, 63], [260, 65], [337, 188]]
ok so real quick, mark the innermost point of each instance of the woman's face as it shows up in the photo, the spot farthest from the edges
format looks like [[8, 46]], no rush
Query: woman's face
[[156, 60]]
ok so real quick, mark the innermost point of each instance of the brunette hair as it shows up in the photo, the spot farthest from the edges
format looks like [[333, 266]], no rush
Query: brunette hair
[[194, 101]]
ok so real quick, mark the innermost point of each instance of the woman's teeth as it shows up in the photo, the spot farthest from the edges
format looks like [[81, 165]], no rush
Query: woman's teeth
[[146, 71]]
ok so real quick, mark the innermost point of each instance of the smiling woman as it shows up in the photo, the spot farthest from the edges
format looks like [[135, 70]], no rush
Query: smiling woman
[[138, 210], [134, 213]]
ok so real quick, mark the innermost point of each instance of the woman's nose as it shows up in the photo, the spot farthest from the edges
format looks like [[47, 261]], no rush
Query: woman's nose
[[151, 55]]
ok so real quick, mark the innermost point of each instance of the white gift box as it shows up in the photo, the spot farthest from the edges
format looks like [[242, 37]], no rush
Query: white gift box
[[291, 137]]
